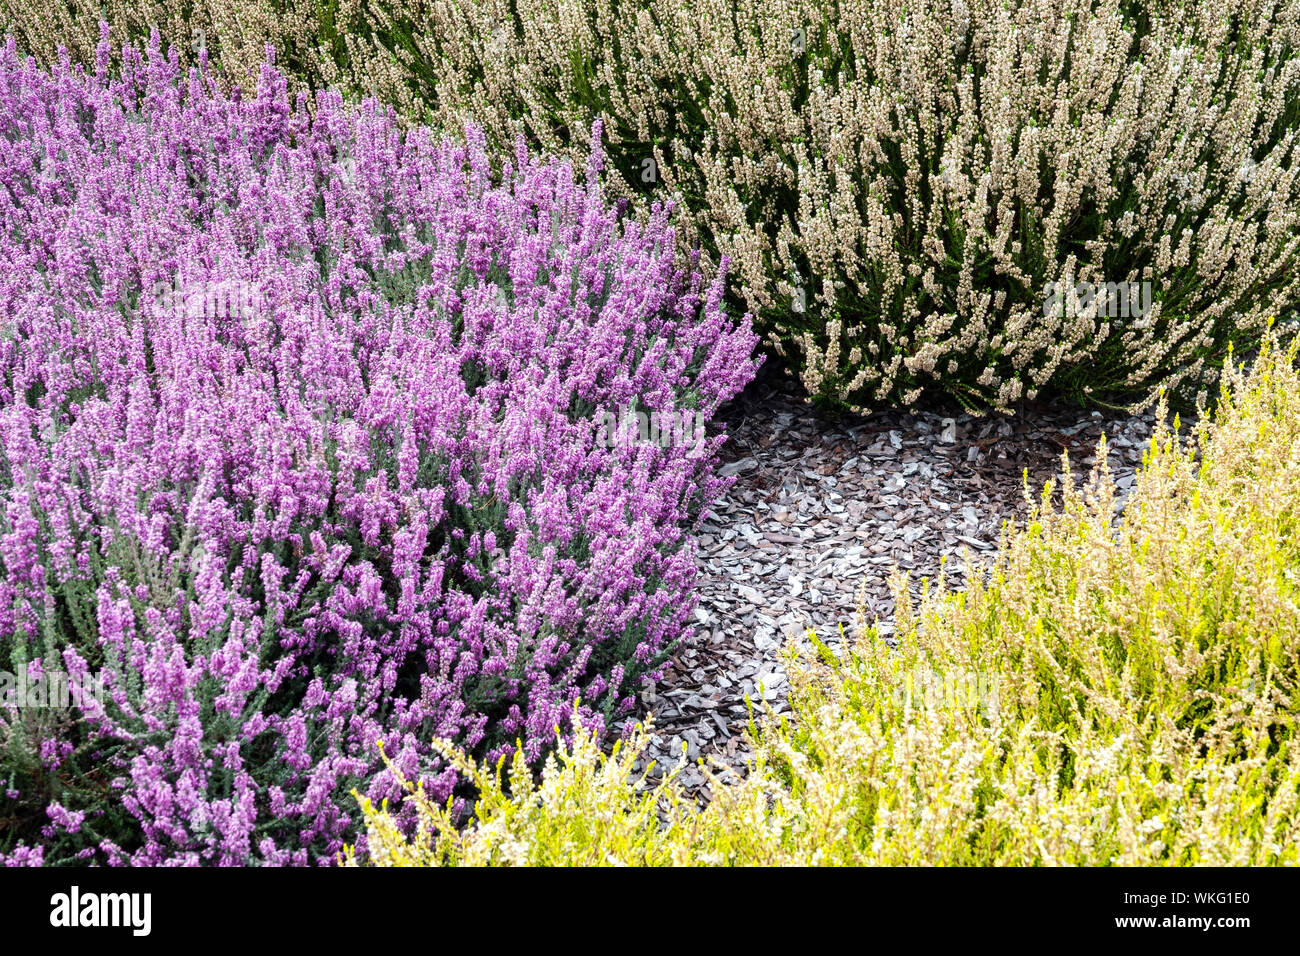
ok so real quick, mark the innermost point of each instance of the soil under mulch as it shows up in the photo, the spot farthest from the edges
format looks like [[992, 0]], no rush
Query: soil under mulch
[[825, 504]]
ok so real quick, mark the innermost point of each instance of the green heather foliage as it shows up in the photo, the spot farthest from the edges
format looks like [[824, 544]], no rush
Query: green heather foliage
[[1114, 691], [914, 172]]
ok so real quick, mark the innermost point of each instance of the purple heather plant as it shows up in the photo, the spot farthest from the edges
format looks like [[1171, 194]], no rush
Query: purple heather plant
[[298, 420]]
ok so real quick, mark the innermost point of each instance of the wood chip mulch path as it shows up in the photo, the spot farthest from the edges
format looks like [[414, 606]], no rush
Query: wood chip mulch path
[[826, 504]]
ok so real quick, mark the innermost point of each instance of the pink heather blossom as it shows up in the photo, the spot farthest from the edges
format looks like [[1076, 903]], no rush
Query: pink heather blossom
[[297, 454]]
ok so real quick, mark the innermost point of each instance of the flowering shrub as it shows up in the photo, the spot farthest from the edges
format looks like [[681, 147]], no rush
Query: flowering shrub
[[898, 184], [312, 42], [1116, 692], [299, 450]]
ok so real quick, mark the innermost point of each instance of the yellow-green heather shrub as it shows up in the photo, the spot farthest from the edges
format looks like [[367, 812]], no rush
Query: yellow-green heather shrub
[[1113, 691], [914, 172]]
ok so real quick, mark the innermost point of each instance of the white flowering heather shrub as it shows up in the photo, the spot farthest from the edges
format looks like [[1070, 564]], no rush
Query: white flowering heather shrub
[[1114, 692], [899, 185], [303, 445], [913, 175]]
